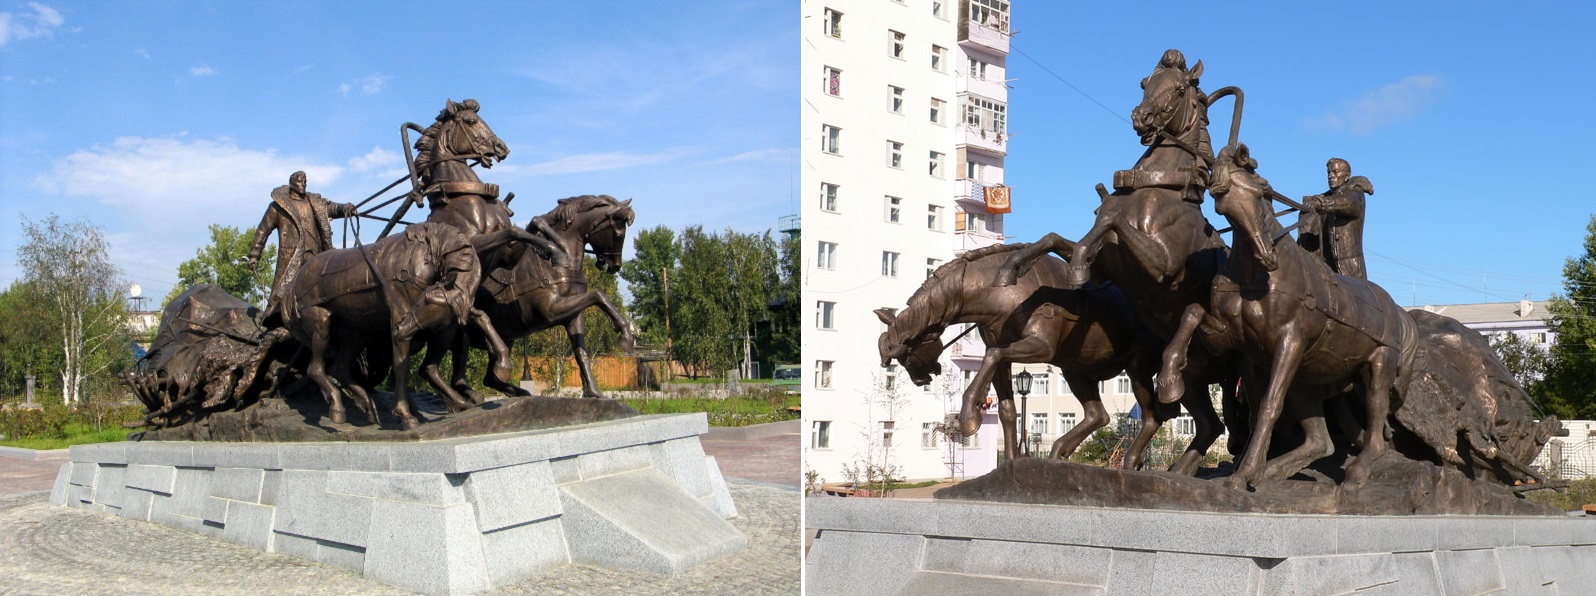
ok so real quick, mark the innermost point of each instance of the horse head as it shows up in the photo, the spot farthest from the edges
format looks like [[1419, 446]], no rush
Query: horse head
[[1171, 101], [462, 132], [1243, 198], [600, 222], [916, 349]]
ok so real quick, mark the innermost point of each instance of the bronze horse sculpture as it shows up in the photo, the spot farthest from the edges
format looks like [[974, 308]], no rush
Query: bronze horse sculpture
[[1304, 330], [379, 298], [1091, 335], [538, 293], [1150, 237]]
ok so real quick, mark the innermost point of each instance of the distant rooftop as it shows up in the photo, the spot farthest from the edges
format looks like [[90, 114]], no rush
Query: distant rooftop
[[1494, 312]]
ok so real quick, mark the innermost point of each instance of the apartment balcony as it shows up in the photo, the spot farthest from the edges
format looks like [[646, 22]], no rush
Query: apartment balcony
[[981, 139], [993, 88], [992, 35]]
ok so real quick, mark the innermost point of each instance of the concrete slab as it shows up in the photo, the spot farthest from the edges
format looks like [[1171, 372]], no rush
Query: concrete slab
[[426, 548], [640, 520]]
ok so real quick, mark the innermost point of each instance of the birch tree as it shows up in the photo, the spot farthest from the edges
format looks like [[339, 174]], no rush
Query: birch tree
[[81, 291]]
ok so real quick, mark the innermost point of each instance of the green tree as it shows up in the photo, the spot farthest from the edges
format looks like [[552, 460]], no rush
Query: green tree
[[702, 317], [222, 262], [552, 348], [785, 334], [27, 345], [69, 265], [753, 277], [1528, 362], [647, 277], [1570, 386]]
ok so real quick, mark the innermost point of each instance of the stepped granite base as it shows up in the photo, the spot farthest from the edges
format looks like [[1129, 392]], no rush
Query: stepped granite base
[[883, 546], [453, 516]]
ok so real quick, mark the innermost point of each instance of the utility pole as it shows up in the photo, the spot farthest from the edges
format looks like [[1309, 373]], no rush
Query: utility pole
[[669, 370]]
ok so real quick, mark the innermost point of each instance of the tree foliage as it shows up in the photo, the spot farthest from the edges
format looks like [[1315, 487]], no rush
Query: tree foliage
[[69, 267], [1570, 387], [550, 349], [26, 342], [1528, 362], [222, 262], [647, 276]]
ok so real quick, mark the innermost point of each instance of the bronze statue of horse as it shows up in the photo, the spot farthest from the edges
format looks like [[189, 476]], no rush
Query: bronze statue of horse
[[1091, 335], [354, 300], [537, 293], [1150, 237], [1307, 331]]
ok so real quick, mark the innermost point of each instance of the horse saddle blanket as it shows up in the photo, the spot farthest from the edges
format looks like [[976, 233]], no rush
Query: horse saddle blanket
[[336, 273]]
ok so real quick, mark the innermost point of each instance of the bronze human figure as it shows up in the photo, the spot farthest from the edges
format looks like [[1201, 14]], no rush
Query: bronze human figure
[[302, 222], [537, 293], [382, 295], [1312, 330], [1332, 224], [1091, 335], [1150, 237]]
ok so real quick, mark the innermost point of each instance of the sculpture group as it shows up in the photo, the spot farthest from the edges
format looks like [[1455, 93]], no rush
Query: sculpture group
[[1312, 359], [346, 319]]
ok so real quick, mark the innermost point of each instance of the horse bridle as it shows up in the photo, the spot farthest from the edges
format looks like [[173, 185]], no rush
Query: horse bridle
[[608, 221]]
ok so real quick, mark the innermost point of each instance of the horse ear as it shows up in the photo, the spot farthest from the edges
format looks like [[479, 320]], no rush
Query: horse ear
[[1196, 72], [626, 203], [885, 315]]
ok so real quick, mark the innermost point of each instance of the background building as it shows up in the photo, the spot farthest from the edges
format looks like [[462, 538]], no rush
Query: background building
[[904, 130]]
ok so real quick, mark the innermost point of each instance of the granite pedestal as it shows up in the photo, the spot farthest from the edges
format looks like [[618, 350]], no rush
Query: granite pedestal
[[884, 546], [452, 516]]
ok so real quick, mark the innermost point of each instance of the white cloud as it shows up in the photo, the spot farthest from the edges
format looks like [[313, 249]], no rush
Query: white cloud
[[1392, 104], [773, 154], [142, 53], [203, 70], [378, 158], [371, 84], [42, 22], [595, 162]]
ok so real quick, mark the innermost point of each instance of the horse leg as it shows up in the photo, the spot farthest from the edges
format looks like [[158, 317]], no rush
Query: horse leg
[[438, 342], [1378, 377], [357, 391], [1309, 412], [1019, 263], [497, 376], [317, 321], [1287, 355], [575, 331], [1007, 415], [994, 364], [1172, 384], [1096, 417], [402, 406]]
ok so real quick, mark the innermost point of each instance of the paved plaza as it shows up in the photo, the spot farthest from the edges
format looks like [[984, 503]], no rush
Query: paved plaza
[[51, 550]]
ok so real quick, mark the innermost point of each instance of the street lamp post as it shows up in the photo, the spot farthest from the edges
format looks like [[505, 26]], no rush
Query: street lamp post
[[1022, 385]]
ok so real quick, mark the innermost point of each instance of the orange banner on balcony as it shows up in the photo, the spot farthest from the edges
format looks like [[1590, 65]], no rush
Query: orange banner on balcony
[[997, 199]]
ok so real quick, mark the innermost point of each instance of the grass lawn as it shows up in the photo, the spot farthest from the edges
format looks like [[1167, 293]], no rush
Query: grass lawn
[[742, 410], [76, 435]]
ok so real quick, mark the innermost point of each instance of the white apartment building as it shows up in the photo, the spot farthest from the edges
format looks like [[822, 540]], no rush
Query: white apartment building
[[904, 127]]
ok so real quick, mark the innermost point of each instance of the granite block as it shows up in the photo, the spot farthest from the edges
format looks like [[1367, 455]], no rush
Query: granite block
[[236, 455], [78, 496], [426, 548], [104, 453], [1062, 563], [294, 545], [83, 475], [237, 484], [1131, 572], [110, 488], [841, 562], [719, 498], [249, 524], [1473, 532], [191, 495], [678, 459], [136, 504], [518, 552], [1469, 571], [1228, 534], [565, 469], [512, 495], [305, 508], [59, 493], [153, 478], [271, 483], [1367, 535], [1192, 574], [338, 554], [1335, 574], [438, 457], [931, 582], [357, 457], [1522, 571], [640, 520], [161, 453], [614, 461], [428, 488]]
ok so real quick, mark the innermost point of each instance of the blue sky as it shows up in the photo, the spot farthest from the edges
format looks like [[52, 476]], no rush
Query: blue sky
[[154, 119], [1473, 120]]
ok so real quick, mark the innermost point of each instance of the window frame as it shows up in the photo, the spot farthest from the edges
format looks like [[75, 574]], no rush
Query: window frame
[[826, 256], [825, 315], [830, 139]]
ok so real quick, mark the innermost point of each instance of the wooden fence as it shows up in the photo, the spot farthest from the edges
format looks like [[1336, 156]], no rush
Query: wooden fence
[[611, 372]]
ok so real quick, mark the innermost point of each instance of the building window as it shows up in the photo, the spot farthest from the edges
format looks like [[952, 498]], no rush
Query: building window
[[895, 99], [972, 221], [826, 257], [823, 374], [1039, 423], [971, 441], [894, 154], [1538, 338], [937, 108], [990, 13], [1066, 422], [986, 115], [828, 197], [1122, 385], [931, 267], [928, 435], [886, 433], [833, 82], [974, 170], [889, 263], [978, 69], [936, 164], [937, 9], [969, 377], [830, 139], [825, 314], [1184, 426], [895, 41], [939, 56], [894, 209], [820, 437], [832, 24], [933, 218], [1041, 383]]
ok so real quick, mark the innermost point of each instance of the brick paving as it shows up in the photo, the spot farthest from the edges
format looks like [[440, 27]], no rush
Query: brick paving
[[48, 550]]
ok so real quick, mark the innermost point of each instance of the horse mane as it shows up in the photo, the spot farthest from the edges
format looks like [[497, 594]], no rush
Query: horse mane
[[956, 266], [568, 208]]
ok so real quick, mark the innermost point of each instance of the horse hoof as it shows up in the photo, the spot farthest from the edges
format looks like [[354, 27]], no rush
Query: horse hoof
[[337, 418], [408, 424], [1236, 482]]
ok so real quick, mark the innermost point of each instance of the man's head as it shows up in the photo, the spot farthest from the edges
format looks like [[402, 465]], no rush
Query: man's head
[[296, 183], [1337, 172]]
